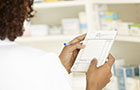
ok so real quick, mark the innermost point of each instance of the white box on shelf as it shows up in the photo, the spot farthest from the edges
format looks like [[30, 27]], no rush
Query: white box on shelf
[[83, 22], [109, 20], [109, 25], [134, 29], [71, 26], [139, 71], [135, 70], [123, 73], [133, 83], [39, 30], [96, 20], [38, 1], [123, 28], [113, 84], [55, 30], [118, 63]]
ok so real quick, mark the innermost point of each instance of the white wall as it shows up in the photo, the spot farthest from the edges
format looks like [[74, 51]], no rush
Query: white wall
[[127, 12], [128, 51], [53, 16]]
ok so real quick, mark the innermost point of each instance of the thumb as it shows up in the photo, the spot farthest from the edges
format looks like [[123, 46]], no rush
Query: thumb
[[93, 64]]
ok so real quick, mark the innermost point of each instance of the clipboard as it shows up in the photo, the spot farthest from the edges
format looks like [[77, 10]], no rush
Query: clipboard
[[98, 45]]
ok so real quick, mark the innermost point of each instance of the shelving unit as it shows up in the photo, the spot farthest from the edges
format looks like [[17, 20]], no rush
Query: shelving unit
[[59, 4], [82, 3], [116, 2], [127, 47], [88, 7], [135, 39], [65, 9], [47, 38]]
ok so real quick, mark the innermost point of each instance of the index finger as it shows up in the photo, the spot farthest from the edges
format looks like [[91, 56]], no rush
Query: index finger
[[78, 39], [111, 60]]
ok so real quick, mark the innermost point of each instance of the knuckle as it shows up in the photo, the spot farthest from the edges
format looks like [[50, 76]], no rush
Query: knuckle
[[78, 46], [78, 38], [87, 73], [91, 66], [108, 67], [113, 58], [110, 75], [108, 80], [92, 61], [108, 71], [66, 47]]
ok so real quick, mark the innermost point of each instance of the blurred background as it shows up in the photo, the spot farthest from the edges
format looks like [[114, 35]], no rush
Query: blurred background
[[59, 21]]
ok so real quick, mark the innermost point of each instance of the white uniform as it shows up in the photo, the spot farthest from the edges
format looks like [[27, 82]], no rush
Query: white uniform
[[26, 68]]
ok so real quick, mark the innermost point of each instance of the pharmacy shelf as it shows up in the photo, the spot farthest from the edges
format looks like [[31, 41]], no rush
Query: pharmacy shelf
[[116, 1], [81, 3], [135, 39], [46, 38], [58, 4], [70, 37]]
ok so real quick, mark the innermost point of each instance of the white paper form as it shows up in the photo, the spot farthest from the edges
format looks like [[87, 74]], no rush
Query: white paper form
[[98, 45]]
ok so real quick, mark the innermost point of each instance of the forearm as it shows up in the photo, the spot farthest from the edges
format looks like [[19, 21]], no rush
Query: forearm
[[64, 64]]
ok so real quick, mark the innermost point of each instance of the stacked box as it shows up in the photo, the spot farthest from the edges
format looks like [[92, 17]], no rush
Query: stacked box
[[83, 22], [133, 83], [136, 71], [70, 26], [118, 63], [139, 71], [123, 73], [113, 84]]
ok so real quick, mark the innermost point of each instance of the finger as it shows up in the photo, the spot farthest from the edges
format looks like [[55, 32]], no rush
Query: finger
[[78, 39], [110, 75], [111, 60], [76, 46], [108, 81], [93, 64]]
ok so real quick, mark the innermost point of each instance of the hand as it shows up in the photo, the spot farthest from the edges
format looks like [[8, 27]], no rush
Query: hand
[[98, 78], [70, 52]]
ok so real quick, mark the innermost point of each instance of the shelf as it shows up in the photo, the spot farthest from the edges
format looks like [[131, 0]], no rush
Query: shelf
[[116, 1], [81, 3], [58, 4], [135, 39], [47, 38], [70, 37]]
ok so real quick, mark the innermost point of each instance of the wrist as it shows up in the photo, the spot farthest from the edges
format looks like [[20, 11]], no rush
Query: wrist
[[67, 69], [92, 86]]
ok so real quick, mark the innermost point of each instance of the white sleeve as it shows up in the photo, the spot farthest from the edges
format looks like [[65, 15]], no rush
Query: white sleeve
[[61, 66], [58, 74]]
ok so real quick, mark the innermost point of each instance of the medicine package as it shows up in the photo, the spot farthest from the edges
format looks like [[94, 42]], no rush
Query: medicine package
[[98, 45]]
